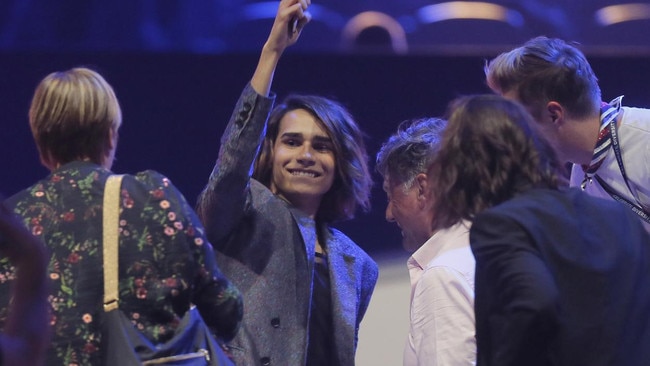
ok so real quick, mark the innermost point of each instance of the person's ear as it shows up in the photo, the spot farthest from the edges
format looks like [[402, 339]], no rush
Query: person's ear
[[555, 113], [422, 184]]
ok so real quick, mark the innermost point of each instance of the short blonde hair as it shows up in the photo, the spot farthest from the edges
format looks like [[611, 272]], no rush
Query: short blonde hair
[[546, 69], [72, 114]]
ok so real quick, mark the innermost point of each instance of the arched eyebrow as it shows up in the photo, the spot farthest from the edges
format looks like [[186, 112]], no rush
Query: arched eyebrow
[[292, 135], [298, 135], [323, 139]]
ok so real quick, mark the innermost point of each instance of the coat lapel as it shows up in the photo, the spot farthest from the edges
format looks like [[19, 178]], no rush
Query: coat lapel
[[345, 298], [304, 259], [343, 280], [307, 228]]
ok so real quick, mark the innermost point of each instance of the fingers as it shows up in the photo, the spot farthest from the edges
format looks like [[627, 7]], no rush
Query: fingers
[[293, 7], [297, 11], [303, 21], [289, 3], [305, 4], [289, 22], [299, 16]]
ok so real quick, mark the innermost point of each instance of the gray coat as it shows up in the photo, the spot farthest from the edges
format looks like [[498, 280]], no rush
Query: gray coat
[[266, 248]]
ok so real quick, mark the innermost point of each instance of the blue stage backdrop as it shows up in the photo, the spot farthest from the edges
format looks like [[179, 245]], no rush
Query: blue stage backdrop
[[231, 26], [175, 107]]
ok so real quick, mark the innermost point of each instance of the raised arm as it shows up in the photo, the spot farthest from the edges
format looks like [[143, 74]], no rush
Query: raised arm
[[222, 203], [291, 18]]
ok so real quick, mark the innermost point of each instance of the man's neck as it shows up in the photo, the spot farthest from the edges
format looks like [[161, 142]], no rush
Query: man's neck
[[584, 138]]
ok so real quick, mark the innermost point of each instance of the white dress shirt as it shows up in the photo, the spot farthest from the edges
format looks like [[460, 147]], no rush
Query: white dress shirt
[[442, 329], [634, 139]]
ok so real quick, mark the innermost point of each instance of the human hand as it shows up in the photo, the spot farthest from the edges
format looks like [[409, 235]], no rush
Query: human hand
[[291, 18]]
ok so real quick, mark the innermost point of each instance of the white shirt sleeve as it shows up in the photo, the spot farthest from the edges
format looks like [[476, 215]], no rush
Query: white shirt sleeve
[[442, 330]]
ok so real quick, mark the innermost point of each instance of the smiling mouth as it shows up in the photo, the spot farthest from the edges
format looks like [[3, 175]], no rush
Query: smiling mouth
[[303, 173]]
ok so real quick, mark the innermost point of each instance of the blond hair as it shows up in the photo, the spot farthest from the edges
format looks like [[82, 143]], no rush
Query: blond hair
[[546, 69], [72, 115]]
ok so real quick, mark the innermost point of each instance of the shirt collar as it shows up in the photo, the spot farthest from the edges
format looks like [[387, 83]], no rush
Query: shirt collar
[[441, 241]]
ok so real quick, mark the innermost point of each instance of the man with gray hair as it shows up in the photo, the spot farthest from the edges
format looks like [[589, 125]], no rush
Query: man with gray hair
[[441, 268]]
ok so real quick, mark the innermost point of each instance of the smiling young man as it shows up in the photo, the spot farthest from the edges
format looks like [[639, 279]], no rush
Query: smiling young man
[[441, 267], [283, 175], [304, 162]]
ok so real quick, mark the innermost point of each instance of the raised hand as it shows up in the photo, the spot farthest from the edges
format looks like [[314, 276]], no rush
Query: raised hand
[[291, 18], [289, 22]]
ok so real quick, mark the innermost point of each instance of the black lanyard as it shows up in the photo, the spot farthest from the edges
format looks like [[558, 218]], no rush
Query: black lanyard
[[636, 207]]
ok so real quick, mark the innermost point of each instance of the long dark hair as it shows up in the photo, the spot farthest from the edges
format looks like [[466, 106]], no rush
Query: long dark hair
[[351, 187], [488, 154]]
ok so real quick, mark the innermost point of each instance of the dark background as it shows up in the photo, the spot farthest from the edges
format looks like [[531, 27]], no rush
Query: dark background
[[178, 67], [232, 26]]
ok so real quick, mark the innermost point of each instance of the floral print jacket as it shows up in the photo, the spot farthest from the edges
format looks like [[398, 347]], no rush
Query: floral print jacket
[[165, 261]]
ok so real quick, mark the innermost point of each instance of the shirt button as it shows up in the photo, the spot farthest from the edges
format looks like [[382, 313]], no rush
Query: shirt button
[[275, 322], [266, 361]]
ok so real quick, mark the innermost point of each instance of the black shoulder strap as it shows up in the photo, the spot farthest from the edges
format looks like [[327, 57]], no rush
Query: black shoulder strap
[[636, 207]]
